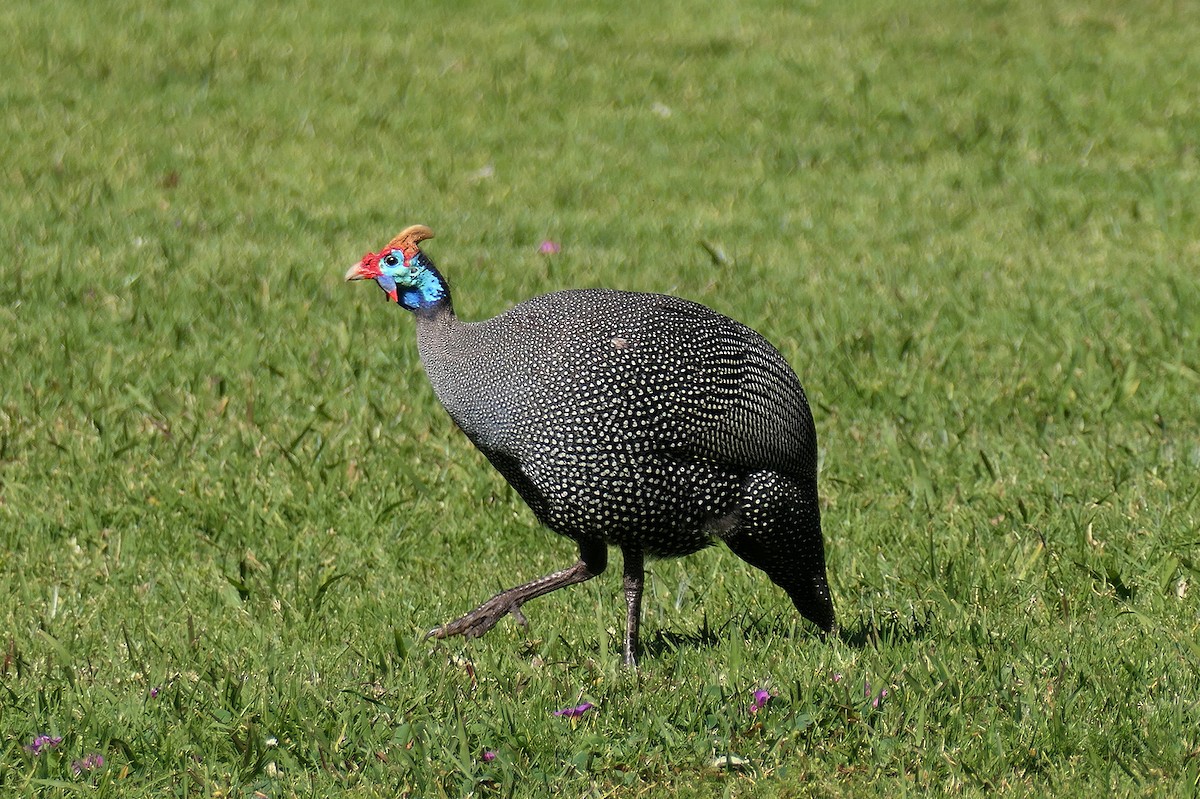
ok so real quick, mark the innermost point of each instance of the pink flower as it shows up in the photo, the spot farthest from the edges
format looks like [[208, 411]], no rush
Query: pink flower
[[41, 742], [87, 764], [575, 712], [878, 700], [761, 698], [549, 247], [489, 755]]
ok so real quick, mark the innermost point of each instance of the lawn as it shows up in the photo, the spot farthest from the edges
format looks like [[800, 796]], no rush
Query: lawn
[[230, 505]]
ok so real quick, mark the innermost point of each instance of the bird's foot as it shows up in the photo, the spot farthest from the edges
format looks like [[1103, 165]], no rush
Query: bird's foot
[[482, 618]]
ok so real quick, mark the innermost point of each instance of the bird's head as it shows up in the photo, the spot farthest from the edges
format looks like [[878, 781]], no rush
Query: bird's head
[[406, 275]]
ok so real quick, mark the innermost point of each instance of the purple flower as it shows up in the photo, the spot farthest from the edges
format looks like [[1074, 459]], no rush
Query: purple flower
[[489, 755], [549, 247], [87, 764], [761, 698], [575, 712], [43, 741], [837, 677], [154, 692]]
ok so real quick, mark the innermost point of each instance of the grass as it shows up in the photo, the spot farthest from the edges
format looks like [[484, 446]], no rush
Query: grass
[[229, 505]]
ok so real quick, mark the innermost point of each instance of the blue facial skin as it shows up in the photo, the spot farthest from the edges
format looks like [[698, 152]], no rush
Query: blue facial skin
[[414, 281]]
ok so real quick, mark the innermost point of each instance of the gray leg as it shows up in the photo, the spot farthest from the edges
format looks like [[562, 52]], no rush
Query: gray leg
[[593, 559], [634, 578]]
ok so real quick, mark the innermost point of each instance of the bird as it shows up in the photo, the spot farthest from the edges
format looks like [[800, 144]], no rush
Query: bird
[[639, 421]]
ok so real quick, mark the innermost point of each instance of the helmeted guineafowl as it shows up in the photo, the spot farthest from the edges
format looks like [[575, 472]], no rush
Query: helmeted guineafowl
[[642, 421]]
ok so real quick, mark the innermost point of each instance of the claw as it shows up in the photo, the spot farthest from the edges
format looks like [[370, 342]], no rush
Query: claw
[[480, 620]]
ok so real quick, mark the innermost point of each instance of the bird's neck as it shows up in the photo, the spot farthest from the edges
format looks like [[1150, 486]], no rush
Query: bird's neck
[[430, 294], [431, 304]]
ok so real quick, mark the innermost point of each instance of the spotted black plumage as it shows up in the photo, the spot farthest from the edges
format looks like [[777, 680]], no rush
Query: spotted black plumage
[[642, 421]]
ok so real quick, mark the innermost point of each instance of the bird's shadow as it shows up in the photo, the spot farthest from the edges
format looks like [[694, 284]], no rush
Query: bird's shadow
[[868, 631], [892, 629]]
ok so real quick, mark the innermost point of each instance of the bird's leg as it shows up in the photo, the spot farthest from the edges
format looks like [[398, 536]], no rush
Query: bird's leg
[[634, 577], [593, 558]]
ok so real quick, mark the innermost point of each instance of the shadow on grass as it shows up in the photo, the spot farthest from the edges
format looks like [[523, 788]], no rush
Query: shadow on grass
[[874, 632], [669, 641], [890, 630]]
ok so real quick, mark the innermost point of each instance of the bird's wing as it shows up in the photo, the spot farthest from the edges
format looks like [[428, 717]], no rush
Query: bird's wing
[[738, 401]]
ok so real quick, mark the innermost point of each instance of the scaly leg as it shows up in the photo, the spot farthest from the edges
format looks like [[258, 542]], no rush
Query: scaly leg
[[593, 559], [634, 578]]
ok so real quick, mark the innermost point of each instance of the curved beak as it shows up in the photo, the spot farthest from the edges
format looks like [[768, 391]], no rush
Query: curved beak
[[357, 272]]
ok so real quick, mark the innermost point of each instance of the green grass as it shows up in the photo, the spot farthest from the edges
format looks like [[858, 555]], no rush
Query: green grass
[[230, 506]]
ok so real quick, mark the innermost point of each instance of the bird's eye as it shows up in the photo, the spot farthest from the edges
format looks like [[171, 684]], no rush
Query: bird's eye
[[391, 260]]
